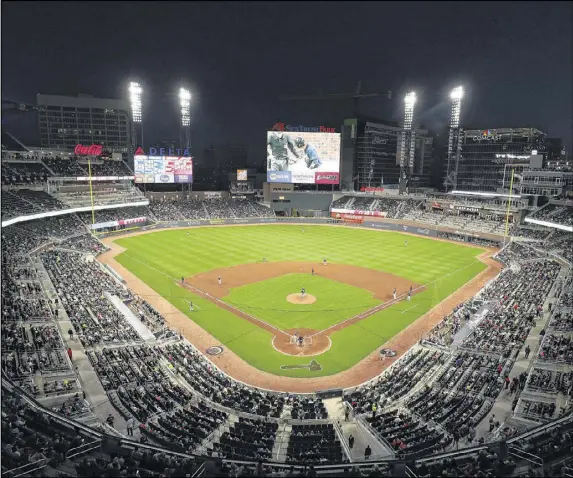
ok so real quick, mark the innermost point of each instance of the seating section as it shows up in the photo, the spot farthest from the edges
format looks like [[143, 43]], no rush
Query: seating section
[[247, 440], [555, 213], [314, 444], [437, 393], [21, 202], [177, 210]]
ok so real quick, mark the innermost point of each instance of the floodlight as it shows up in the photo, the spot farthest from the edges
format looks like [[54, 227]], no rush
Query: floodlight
[[185, 103], [410, 99], [457, 93], [135, 92]]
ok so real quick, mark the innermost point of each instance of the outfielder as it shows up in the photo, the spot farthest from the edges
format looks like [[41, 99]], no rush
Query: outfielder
[[191, 309], [406, 243]]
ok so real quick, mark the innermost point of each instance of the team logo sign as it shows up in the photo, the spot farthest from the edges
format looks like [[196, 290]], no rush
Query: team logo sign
[[215, 350], [313, 366]]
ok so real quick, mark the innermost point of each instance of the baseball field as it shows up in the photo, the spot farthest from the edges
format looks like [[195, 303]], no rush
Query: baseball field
[[348, 310]]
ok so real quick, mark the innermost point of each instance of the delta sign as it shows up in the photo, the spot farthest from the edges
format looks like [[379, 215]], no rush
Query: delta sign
[[153, 151]]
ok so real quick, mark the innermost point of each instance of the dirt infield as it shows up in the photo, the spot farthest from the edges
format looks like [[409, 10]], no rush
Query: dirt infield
[[235, 366], [381, 284], [299, 300], [320, 343]]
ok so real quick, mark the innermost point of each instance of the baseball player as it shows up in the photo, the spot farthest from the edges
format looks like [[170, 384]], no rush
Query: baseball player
[[302, 293], [219, 280], [311, 154], [281, 151], [312, 271], [406, 243], [191, 309], [323, 262], [187, 234], [394, 294], [182, 280], [409, 295]]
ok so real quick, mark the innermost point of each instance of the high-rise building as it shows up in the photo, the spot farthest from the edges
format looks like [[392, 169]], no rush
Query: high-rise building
[[377, 156], [66, 121], [487, 156]]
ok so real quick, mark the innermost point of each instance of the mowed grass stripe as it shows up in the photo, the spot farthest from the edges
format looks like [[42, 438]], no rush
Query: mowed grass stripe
[[177, 254]]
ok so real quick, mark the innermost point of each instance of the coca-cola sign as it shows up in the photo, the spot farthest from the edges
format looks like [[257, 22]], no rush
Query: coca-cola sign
[[93, 150]]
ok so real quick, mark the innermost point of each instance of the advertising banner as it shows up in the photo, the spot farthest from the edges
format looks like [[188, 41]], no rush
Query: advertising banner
[[326, 178], [368, 189], [162, 169], [105, 178], [303, 154], [183, 178], [165, 178], [359, 212], [133, 220], [242, 175], [279, 177], [282, 188]]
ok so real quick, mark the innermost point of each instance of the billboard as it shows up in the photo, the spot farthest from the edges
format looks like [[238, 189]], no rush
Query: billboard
[[303, 157], [163, 169], [242, 175]]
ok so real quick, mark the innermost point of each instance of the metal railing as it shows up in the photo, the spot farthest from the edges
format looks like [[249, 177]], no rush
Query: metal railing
[[524, 455], [26, 469], [85, 448]]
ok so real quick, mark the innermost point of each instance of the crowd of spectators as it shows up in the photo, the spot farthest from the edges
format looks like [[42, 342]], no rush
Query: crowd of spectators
[[152, 384], [555, 213], [247, 440], [80, 285], [21, 202], [178, 210], [393, 208]]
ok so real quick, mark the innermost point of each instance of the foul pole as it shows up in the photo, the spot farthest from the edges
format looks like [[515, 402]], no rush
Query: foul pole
[[91, 189], [508, 206]]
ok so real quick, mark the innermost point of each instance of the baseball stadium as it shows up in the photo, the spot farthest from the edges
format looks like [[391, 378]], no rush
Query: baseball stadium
[[310, 319]]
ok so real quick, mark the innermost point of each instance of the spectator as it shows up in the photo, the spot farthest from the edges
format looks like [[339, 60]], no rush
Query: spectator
[[130, 425], [110, 420], [351, 441], [70, 353], [527, 351], [367, 452]]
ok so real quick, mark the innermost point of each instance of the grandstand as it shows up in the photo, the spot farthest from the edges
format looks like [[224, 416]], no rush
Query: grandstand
[[96, 382], [441, 407]]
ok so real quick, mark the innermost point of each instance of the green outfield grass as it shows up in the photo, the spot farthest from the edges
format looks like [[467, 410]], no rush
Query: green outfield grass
[[161, 258], [335, 301]]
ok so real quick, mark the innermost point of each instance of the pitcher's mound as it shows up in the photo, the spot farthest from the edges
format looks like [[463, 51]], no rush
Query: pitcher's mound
[[298, 299]]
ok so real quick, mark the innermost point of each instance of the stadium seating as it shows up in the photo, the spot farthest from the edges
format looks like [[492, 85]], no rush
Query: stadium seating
[[182, 403]]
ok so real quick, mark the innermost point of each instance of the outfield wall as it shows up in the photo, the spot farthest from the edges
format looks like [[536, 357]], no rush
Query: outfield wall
[[387, 225]]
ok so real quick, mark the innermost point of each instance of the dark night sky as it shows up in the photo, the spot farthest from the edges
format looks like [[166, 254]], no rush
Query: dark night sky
[[513, 58]]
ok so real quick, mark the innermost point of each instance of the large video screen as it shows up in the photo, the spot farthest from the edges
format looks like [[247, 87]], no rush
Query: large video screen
[[303, 158], [163, 169]]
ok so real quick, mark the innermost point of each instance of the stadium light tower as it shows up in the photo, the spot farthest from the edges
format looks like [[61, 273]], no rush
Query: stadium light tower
[[135, 94], [454, 139], [407, 145], [185, 103]]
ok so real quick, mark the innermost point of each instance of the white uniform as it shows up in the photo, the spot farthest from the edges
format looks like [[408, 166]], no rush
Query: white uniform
[[220, 281]]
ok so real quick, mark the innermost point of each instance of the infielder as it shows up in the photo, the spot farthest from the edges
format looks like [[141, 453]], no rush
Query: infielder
[[323, 262], [302, 293], [219, 280], [394, 294], [312, 271], [182, 280], [409, 296]]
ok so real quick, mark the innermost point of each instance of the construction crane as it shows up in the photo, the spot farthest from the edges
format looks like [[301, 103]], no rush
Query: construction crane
[[356, 97]]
